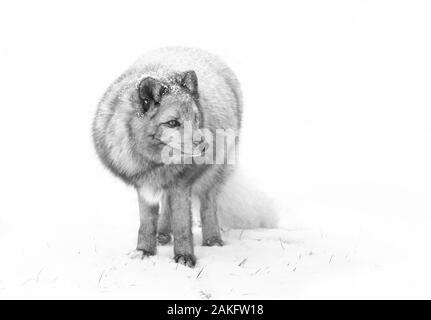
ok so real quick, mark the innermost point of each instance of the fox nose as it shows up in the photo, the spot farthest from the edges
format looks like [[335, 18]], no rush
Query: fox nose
[[199, 141]]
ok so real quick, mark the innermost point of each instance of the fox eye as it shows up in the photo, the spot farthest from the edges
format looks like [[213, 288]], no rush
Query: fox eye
[[173, 123]]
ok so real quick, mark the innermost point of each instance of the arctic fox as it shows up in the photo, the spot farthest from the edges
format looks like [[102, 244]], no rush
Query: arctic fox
[[145, 117]]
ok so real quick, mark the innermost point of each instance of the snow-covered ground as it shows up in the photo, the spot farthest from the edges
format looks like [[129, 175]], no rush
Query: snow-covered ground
[[336, 130], [354, 257]]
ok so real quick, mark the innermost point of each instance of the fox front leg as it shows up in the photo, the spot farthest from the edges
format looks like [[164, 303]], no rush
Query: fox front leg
[[164, 228], [210, 228], [180, 203], [148, 214]]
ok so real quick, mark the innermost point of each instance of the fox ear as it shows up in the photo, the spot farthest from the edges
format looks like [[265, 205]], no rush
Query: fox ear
[[151, 89], [189, 80]]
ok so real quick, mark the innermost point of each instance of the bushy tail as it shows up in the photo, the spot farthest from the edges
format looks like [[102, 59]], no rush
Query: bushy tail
[[243, 206]]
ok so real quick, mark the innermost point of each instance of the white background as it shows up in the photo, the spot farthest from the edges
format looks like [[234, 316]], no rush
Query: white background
[[337, 129]]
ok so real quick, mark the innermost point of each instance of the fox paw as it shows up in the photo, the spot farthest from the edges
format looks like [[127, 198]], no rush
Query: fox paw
[[164, 238], [187, 260], [146, 253], [214, 241]]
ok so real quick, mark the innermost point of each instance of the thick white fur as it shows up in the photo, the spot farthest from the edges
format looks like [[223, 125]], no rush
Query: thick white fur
[[241, 205], [151, 195]]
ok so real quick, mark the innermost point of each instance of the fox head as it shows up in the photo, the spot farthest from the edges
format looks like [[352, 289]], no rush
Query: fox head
[[147, 118], [168, 115]]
